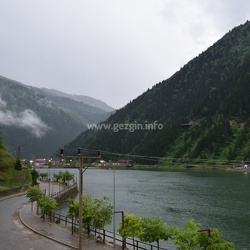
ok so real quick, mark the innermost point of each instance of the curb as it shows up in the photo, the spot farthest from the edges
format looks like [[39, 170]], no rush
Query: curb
[[44, 235]]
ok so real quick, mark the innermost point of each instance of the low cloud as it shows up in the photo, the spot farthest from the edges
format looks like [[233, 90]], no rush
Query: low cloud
[[2, 103], [27, 119]]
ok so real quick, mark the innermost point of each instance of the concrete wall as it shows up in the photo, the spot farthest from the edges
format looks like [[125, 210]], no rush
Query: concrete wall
[[65, 194]]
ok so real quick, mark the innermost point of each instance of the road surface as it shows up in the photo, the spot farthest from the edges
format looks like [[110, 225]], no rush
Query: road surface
[[14, 235]]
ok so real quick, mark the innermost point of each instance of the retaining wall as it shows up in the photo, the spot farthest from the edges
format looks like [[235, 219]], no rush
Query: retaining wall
[[62, 196], [14, 190]]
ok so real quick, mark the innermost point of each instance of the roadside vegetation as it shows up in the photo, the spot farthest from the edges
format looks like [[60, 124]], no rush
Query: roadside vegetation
[[12, 172], [97, 212], [47, 204], [190, 237]]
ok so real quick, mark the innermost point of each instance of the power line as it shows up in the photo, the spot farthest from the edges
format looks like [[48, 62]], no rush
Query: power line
[[157, 158]]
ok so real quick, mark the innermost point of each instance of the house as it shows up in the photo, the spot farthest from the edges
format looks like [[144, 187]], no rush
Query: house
[[40, 163]]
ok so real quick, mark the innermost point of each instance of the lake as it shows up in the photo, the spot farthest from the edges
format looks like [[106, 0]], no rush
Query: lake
[[216, 199]]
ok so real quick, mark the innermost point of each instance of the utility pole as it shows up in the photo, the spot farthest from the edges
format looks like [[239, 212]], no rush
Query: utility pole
[[19, 151], [81, 171]]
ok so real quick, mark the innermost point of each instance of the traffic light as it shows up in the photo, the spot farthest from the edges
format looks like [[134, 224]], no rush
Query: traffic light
[[62, 153], [79, 151]]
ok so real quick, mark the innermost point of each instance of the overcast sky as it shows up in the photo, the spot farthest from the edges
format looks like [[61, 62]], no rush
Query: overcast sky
[[112, 50]]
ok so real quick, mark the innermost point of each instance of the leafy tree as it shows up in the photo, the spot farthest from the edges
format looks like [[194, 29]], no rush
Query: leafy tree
[[102, 211], [48, 206], [58, 176], [66, 176], [88, 211], [96, 212], [153, 230], [188, 238], [192, 237], [217, 242], [131, 228], [34, 193], [43, 175], [73, 210]]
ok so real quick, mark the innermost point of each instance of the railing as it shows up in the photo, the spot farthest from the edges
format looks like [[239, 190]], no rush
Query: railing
[[59, 193], [105, 234]]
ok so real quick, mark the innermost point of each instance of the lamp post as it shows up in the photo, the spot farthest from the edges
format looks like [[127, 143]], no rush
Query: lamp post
[[80, 202], [81, 171], [124, 240], [114, 206], [19, 151]]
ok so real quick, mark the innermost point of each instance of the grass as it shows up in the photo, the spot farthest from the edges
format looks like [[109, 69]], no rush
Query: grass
[[15, 178]]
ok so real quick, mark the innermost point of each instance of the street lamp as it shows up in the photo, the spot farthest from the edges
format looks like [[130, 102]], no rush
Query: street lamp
[[81, 171], [123, 240]]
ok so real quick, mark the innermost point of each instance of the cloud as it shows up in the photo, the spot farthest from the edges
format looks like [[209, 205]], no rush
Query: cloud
[[111, 50], [26, 119], [2, 103]]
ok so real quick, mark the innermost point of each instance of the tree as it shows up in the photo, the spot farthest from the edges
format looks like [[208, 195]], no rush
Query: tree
[[131, 228], [153, 230], [87, 211], [66, 176], [102, 212], [73, 211], [58, 176], [96, 212], [34, 176], [18, 164], [188, 238], [48, 206], [34, 194], [215, 241], [43, 175], [192, 237]]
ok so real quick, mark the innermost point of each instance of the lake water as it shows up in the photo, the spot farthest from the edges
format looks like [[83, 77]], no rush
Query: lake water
[[216, 199]]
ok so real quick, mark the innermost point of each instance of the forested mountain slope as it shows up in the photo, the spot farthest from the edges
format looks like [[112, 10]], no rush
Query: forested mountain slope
[[203, 109], [38, 122]]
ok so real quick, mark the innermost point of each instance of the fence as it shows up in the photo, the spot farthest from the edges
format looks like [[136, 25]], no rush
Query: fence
[[105, 234]]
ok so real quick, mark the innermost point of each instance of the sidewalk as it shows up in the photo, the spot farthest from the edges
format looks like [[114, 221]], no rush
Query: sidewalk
[[58, 233]]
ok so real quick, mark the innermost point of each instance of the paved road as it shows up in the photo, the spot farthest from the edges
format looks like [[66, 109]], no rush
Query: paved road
[[21, 228], [14, 236]]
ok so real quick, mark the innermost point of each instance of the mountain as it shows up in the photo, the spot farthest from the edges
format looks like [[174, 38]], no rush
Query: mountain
[[201, 112], [6, 159], [40, 121], [80, 98]]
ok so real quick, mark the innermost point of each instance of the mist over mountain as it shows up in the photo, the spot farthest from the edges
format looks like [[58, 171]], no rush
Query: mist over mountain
[[40, 121], [201, 112], [80, 98]]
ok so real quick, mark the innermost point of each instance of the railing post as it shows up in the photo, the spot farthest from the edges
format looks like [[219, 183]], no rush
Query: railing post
[[104, 235]]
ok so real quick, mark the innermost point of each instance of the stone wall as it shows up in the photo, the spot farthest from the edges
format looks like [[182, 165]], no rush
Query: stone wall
[[14, 190]]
